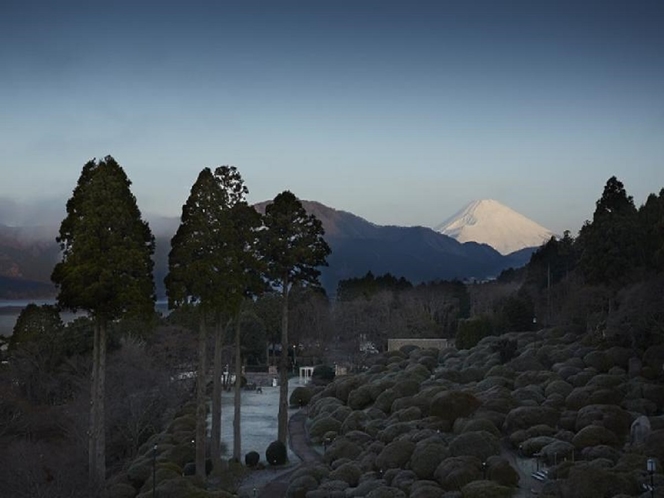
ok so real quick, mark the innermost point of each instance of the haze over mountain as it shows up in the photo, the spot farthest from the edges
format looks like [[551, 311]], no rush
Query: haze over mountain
[[489, 222]]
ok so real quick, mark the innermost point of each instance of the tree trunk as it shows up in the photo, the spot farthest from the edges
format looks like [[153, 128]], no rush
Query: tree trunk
[[101, 395], [215, 446], [92, 431], [237, 421], [283, 366], [97, 435], [201, 425]]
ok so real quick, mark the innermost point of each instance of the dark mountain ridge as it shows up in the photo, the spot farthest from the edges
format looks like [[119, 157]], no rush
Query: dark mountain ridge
[[419, 254], [416, 253]]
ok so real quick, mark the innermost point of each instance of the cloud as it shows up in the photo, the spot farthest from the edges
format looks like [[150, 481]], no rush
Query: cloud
[[44, 212]]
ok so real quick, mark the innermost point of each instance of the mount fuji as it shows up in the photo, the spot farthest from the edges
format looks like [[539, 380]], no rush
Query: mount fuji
[[492, 223]]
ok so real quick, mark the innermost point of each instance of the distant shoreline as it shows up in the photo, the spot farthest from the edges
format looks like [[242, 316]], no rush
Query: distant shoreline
[[10, 309], [11, 306]]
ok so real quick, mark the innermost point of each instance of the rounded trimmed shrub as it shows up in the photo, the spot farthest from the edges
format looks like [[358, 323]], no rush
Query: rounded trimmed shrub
[[322, 425], [594, 435], [300, 396], [395, 455], [385, 400], [524, 417], [318, 472], [322, 375], [427, 456], [480, 444], [450, 405], [535, 444], [341, 413], [341, 448], [139, 472], [276, 453], [481, 424], [482, 489], [499, 470], [300, 486], [455, 472], [183, 423], [251, 459], [612, 417], [349, 472], [386, 492], [360, 398], [354, 421]]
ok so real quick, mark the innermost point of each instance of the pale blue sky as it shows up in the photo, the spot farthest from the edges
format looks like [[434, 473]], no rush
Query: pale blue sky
[[400, 112]]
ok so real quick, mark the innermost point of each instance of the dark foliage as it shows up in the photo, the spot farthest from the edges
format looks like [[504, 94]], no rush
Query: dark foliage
[[507, 349], [252, 458], [515, 313], [471, 331], [276, 453], [609, 245], [368, 285], [322, 375]]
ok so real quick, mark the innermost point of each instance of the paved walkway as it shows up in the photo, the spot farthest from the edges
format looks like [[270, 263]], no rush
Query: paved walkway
[[299, 444], [528, 486]]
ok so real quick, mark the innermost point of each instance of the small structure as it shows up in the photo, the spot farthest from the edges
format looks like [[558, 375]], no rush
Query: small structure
[[396, 344], [305, 374], [340, 370], [639, 431]]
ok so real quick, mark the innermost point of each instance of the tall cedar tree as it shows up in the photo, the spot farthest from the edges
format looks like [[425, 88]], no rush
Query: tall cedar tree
[[207, 267], [106, 270], [609, 245], [241, 267], [294, 248], [651, 218]]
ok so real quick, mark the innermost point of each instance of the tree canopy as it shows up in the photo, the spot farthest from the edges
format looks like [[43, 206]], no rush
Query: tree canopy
[[293, 244], [106, 266], [209, 262], [609, 244]]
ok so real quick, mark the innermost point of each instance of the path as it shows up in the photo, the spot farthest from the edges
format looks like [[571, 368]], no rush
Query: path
[[299, 443], [528, 486]]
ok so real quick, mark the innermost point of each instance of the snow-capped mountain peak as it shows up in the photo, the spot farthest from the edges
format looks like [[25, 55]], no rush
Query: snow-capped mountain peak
[[489, 222]]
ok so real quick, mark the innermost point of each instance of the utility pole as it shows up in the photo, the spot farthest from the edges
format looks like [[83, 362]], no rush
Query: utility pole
[[548, 294]]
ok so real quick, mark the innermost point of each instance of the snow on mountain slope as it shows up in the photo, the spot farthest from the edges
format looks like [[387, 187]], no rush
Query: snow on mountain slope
[[490, 222]]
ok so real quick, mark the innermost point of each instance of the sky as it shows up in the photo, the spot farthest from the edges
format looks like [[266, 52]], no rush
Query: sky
[[399, 112]]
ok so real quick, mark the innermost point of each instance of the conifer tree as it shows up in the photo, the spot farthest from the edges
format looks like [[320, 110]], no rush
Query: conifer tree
[[106, 270], [293, 248], [212, 265], [609, 245]]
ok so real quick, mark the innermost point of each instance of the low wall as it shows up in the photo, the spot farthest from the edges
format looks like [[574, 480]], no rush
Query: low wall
[[396, 344]]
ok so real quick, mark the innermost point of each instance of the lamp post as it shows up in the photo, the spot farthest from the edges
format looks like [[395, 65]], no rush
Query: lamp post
[[650, 465], [154, 471]]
